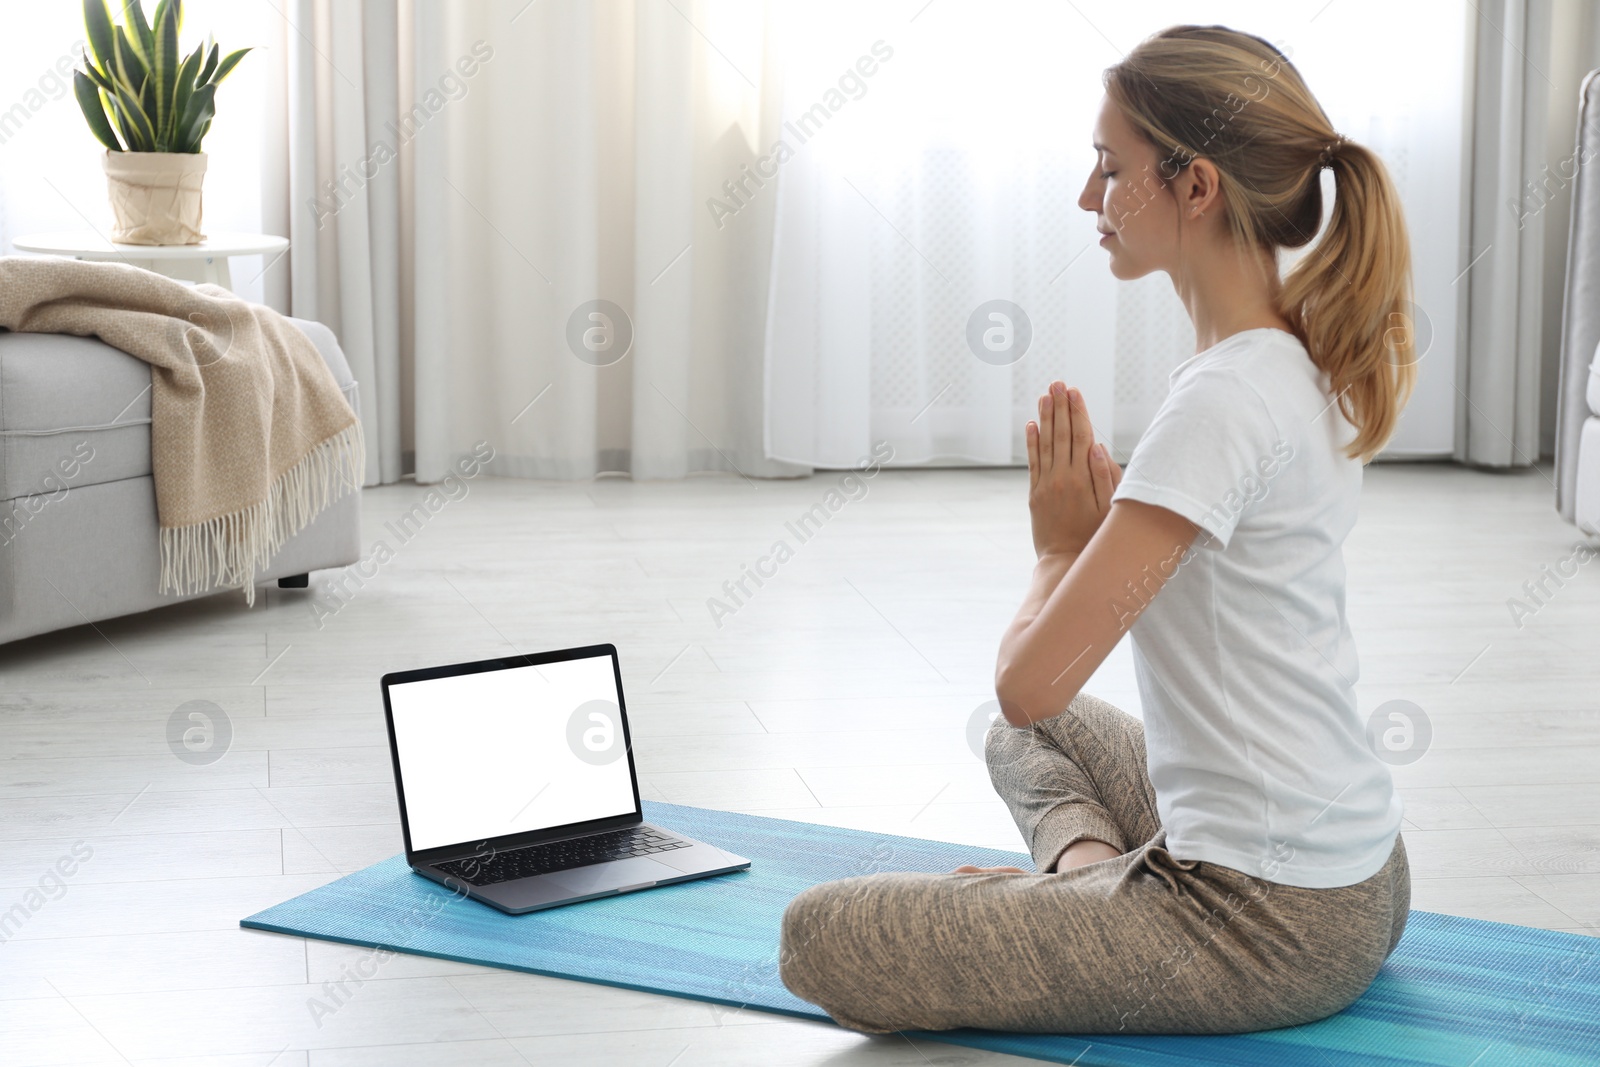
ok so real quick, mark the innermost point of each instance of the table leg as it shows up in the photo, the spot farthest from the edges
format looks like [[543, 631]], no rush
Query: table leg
[[217, 272]]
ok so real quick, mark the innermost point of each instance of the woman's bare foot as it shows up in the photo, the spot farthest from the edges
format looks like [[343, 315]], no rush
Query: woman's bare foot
[[1085, 851]]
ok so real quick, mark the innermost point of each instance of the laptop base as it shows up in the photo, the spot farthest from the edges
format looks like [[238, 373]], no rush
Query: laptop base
[[613, 877]]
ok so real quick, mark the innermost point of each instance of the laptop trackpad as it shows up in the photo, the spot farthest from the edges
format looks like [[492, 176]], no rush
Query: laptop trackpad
[[615, 874]]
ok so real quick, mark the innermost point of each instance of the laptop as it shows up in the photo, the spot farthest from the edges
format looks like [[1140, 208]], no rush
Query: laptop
[[517, 785]]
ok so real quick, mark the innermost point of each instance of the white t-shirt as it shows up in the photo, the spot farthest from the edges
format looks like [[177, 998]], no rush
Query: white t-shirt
[[1245, 661]]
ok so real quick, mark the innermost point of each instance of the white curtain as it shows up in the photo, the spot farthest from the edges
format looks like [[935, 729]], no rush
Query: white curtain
[[497, 206], [331, 184], [784, 313], [1497, 418], [949, 179], [914, 197], [1530, 58]]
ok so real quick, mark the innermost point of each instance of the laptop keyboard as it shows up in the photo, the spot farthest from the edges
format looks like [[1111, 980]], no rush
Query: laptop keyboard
[[561, 855]]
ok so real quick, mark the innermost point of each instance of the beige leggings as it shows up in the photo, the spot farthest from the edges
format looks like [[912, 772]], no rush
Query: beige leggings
[[1143, 943]]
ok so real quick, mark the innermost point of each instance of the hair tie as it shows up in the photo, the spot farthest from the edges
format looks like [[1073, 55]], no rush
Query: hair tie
[[1331, 149]]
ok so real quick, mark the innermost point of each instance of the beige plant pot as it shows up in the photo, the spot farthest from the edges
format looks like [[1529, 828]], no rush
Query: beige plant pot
[[155, 196]]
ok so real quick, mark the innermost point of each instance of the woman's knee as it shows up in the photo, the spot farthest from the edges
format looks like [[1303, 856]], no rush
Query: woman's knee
[[1400, 892], [1006, 747], [878, 952], [808, 959], [999, 742]]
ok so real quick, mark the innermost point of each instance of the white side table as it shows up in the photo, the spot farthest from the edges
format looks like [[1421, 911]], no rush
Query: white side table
[[204, 262]]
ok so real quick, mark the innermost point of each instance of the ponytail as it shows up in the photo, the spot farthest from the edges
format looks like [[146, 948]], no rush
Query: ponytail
[[1235, 99], [1349, 300]]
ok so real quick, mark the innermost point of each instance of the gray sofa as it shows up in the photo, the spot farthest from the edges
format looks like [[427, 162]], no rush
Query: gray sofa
[[1578, 398], [78, 532]]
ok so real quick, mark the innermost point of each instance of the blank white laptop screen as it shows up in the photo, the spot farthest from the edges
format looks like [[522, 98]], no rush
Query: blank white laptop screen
[[506, 751]]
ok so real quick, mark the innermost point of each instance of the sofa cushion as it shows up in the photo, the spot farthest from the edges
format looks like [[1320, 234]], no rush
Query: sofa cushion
[[96, 554], [75, 411], [1593, 394], [1586, 494]]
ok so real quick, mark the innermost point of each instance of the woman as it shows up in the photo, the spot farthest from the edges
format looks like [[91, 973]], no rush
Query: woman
[[1235, 862]]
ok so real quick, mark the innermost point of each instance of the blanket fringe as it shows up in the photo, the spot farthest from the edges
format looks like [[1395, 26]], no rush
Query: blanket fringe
[[227, 551]]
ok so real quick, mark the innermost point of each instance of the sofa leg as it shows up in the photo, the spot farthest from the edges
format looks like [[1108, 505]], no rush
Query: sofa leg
[[295, 581]]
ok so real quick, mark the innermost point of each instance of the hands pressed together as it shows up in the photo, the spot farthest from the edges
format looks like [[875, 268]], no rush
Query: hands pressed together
[[1070, 481], [1070, 476]]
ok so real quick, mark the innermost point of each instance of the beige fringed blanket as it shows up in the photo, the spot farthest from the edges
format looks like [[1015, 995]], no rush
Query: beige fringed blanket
[[250, 436]]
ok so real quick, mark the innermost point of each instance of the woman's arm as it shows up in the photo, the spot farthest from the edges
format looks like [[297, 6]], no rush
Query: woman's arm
[[1099, 564]]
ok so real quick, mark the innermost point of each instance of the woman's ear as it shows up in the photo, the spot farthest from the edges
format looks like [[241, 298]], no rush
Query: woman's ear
[[1200, 189]]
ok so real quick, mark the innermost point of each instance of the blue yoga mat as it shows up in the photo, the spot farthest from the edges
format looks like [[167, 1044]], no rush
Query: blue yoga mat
[[1456, 992]]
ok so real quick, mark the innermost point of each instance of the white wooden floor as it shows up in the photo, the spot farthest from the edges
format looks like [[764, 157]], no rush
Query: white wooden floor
[[839, 693]]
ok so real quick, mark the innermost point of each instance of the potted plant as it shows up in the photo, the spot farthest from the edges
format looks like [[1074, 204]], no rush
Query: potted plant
[[151, 110]]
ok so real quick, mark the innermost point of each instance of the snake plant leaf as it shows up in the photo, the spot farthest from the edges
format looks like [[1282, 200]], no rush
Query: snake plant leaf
[[137, 90], [126, 71], [183, 90], [124, 125], [128, 81], [136, 74], [212, 52], [88, 95], [209, 51], [196, 137], [161, 9], [147, 99], [97, 21], [201, 136], [92, 69], [164, 71], [114, 113], [136, 122], [140, 35], [202, 108], [226, 66]]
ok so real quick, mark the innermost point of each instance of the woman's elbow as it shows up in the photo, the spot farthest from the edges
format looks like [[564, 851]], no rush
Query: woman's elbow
[[1019, 703]]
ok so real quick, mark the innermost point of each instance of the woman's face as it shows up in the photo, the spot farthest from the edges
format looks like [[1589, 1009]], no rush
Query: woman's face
[[1132, 203]]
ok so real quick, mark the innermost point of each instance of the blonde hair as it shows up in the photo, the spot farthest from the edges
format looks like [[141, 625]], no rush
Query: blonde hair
[[1237, 101]]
